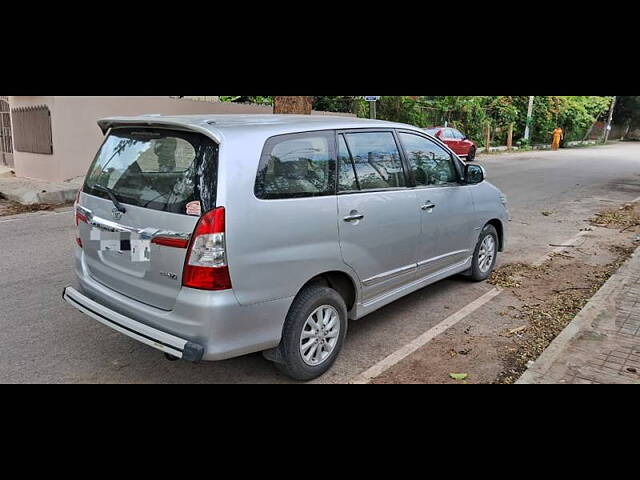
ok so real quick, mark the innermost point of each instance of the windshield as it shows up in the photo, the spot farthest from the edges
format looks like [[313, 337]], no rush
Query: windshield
[[155, 168]]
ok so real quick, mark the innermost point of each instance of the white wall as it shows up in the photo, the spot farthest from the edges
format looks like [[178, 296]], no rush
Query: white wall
[[76, 135]]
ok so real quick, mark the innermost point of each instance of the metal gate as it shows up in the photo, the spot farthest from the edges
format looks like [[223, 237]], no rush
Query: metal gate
[[6, 140]]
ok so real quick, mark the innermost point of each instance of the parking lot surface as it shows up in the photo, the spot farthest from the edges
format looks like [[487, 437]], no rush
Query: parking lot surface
[[46, 340]]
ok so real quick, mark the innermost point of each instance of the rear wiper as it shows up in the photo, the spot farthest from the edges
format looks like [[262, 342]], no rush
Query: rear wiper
[[112, 196]]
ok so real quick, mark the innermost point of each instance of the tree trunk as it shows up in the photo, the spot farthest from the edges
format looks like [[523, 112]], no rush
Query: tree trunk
[[300, 105]]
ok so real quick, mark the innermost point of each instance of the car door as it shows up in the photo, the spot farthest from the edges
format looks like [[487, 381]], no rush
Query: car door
[[464, 145], [139, 249], [447, 138], [455, 141], [458, 144], [445, 205], [378, 223]]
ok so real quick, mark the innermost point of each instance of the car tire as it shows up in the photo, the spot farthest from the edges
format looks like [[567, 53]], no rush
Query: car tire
[[471, 156], [481, 266], [314, 302]]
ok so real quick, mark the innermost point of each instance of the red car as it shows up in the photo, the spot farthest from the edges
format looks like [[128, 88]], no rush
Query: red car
[[456, 141]]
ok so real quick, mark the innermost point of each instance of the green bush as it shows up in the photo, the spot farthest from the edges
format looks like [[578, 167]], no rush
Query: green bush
[[470, 114]]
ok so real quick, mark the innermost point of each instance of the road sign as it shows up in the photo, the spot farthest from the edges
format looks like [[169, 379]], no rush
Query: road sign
[[372, 99]]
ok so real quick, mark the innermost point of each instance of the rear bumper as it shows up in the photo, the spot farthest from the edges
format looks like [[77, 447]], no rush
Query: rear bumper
[[171, 344], [215, 320]]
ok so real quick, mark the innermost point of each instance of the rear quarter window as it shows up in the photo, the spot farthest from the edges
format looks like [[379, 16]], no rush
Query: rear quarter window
[[297, 165], [160, 169]]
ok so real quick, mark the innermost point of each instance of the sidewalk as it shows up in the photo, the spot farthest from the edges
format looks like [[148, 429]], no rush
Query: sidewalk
[[504, 149], [28, 191], [602, 343]]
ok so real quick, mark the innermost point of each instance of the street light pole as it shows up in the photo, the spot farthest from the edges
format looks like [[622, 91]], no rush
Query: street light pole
[[529, 115]]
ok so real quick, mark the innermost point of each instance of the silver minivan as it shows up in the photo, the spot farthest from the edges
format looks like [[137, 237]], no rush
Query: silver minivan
[[214, 236]]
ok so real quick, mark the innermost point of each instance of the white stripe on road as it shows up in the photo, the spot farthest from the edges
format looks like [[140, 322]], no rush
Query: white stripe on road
[[568, 243], [423, 339], [426, 337]]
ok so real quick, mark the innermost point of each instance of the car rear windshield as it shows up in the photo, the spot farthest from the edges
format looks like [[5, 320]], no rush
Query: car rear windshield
[[156, 168]]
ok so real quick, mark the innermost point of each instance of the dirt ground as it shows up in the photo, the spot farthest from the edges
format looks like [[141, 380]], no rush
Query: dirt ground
[[536, 303], [8, 207]]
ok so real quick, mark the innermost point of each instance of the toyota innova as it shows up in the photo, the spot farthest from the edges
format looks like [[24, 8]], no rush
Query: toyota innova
[[209, 237]]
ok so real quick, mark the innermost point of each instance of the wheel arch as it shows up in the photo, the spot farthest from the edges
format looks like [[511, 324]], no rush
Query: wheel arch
[[497, 224], [341, 282]]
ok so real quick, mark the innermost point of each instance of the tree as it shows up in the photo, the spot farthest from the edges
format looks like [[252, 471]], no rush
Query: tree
[[336, 104], [240, 99], [292, 105], [627, 111]]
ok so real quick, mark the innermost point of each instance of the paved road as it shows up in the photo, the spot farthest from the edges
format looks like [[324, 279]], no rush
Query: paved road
[[45, 340]]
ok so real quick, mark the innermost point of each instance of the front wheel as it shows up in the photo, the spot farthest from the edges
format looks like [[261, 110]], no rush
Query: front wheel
[[313, 334], [472, 154], [484, 255]]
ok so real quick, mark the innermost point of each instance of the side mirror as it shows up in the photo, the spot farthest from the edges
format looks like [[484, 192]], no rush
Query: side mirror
[[474, 174]]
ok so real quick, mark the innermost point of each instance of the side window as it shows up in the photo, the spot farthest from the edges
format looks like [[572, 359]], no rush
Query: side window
[[450, 134], [431, 164], [297, 165], [459, 135], [346, 174], [376, 160]]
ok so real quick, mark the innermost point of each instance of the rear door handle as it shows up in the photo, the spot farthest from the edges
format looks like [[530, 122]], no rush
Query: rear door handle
[[353, 218], [428, 206]]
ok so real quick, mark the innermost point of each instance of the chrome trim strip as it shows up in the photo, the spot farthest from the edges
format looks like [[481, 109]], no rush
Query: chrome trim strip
[[387, 275], [414, 283], [110, 226], [435, 259]]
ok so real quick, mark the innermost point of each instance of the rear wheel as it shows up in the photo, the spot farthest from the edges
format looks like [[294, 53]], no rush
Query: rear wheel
[[484, 255], [472, 154], [313, 334]]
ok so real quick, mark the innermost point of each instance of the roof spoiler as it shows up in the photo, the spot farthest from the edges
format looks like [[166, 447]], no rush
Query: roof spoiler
[[106, 124], [155, 120]]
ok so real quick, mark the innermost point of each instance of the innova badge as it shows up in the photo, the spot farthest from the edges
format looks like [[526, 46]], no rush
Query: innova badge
[[116, 214]]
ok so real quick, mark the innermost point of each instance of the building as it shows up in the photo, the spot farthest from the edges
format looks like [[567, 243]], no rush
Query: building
[[6, 144], [55, 138]]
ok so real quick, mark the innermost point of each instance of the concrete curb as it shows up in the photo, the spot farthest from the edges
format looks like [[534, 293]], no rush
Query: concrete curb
[[6, 172], [596, 306], [503, 149], [29, 191]]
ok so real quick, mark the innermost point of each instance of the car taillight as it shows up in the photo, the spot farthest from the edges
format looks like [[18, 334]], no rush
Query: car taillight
[[205, 266], [79, 217]]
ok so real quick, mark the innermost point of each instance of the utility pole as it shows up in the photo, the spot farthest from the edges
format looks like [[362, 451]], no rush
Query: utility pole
[[607, 128], [529, 115]]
